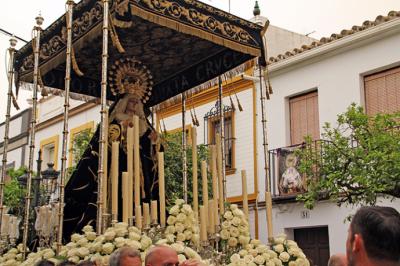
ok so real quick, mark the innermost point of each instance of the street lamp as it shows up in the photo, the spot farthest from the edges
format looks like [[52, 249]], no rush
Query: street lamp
[[50, 176]]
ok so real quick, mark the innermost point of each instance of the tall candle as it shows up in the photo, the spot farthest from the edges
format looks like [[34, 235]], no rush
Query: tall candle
[[203, 224], [130, 164], [138, 216], [214, 181], [136, 157], [125, 197], [204, 185], [219, 170], [146, 215], [211, 207], [105, 166], [5, 223], [194, 172], [268, 206], [114, 178], [161, 183], [244, 194], [154, 215]]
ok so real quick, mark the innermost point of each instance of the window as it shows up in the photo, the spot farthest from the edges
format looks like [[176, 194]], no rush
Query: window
[[214, 128], [304, 117], [382, 92], [75, 132], [49, 148]]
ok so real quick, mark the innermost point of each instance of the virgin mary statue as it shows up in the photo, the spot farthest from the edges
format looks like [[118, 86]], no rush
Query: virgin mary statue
[[131, 82]]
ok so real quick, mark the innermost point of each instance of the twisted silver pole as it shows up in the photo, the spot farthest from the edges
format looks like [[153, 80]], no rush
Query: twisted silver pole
[[61, 185], [11, 51], [37, 29], [222, 133], [184, 155], [103, 111]]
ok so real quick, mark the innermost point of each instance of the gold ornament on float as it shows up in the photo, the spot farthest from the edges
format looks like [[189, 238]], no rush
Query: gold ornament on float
[[129, 75]]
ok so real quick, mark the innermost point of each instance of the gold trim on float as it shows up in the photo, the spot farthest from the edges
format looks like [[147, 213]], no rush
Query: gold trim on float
[[180, 27]]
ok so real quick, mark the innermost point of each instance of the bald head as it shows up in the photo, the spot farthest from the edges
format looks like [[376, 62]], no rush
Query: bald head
[[337, 260], [161, 255]]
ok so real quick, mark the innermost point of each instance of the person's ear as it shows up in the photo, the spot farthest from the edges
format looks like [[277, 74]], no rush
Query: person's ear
[[358, 243]]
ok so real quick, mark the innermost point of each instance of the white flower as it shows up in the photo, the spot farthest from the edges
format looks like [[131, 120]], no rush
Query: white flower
[[277, 262], [109, 235], [121, 231], [270, 263], [96, 247], [171, 220], [186, 209], [146, 242], [162, 242], [108, 248], [255, 242], [259, 260], [279, 240], [291, 243], [170, 238], [224, 234], [134, 236], [72, 252], [262, 248], [272, 254], [226, 225], [292, 263], [170, 229], [235, 257], [248, 259], [181, 217], [266, 256], [236, 221], [76, 237], [284, 257], [180, 237], [234, 207], [196, 239], [228, 215], [253, 252], [87, 228], [179, 201], [120, 242], [134, 243], [100, 239], [179, 227], [238, 212], [105, 260], [294, 251], [191, 254], [178, 247], [234, 232], [302, 262], [82, 242], [134, 229], [188, 234], [91, 236], [243, 252], [279, 248], [83, 252], [232, 242], [74, 259], [243, 240]]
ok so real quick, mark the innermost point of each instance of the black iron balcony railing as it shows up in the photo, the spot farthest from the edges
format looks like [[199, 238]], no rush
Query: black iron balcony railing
[[286, 179]]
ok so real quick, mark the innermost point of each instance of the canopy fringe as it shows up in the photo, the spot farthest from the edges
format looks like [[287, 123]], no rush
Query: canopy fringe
[[206, 85], [114, 36]]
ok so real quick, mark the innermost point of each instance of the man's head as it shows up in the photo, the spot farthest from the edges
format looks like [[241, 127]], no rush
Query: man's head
[[374, 237], [337, 260], [125, 256], [161, 256]]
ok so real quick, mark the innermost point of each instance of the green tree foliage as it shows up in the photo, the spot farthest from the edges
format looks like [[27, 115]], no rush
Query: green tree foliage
[[173, 168], [79, 145], [14, 193], [357, 161]]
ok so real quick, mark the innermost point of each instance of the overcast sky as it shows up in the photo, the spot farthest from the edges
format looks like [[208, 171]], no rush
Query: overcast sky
[[322, 17]]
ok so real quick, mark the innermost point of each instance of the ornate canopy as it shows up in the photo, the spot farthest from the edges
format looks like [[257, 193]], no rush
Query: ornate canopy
[[183, 43]]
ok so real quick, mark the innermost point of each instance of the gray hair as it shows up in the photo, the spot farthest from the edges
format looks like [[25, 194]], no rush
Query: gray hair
[[121, 253]]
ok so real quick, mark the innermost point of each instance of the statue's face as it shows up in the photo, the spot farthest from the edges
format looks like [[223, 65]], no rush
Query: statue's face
[[131, 105]]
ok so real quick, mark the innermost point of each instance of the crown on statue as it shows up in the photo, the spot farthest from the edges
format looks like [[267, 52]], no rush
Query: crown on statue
[[129, 75]]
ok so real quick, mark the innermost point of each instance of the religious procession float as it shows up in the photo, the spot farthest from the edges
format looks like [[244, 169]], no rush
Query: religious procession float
[[131, 56]]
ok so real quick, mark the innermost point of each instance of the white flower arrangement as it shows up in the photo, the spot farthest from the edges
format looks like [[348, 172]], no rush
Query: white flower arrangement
[[181, 233]]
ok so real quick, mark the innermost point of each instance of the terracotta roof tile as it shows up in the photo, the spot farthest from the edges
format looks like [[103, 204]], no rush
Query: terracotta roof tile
[[336, 36]]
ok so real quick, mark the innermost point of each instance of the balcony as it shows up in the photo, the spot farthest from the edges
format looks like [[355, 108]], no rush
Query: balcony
[[286, 180]]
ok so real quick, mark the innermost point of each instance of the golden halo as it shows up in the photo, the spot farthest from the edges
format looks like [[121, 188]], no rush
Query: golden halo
[[128, 75]]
